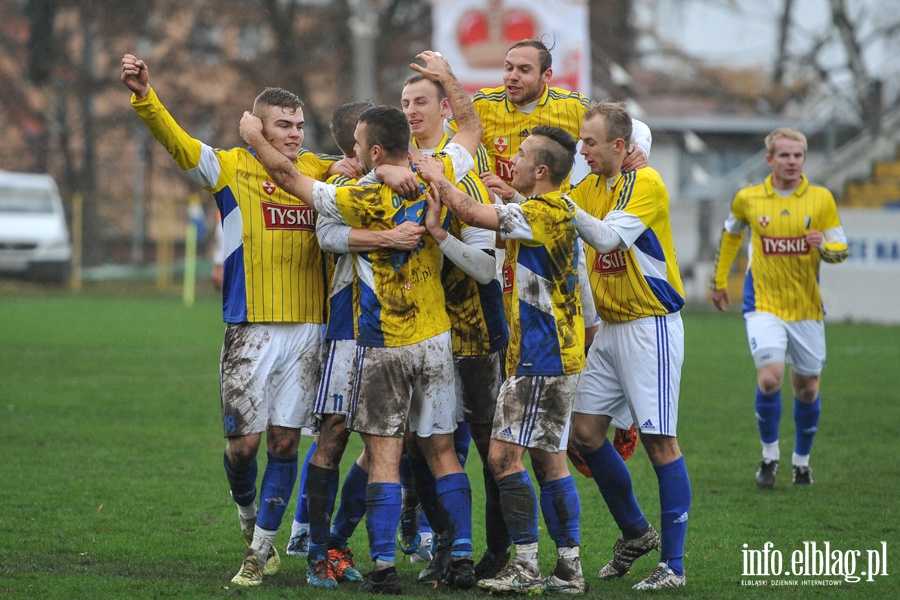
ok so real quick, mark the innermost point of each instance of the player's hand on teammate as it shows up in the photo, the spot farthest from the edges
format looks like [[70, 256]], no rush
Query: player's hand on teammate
[[348, 167], [430, 169], [251, 127], [405, 236], [498, 186], [136, 75], [636, 159], [720, 299], [433, 215], [400, 179], [436, 66]]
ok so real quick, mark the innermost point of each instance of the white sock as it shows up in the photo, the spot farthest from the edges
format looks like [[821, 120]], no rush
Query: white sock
[[262, 540], [771, 451], [527, 555], [800, 461], [247, 513], [297, 527], [568, 552]]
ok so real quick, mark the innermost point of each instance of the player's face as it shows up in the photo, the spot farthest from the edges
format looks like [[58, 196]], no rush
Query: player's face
[[599, 153], [787, 162], [283, 128], [523, 176], [423, 110], [522, 75], [363, 155]]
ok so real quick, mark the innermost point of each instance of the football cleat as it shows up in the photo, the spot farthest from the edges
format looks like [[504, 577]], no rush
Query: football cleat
[[383, 581], [802, 476], [298, 545], [320, 574], [251, 571], [490, 565], [344, 566], [515, 579], [662, 577], [765, 475], [625, 552]]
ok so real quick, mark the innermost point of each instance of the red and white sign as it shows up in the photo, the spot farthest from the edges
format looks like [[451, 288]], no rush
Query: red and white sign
[[610, 263], [509, 278], [790, 246], [269, 187], [286, 216], [474, 35]]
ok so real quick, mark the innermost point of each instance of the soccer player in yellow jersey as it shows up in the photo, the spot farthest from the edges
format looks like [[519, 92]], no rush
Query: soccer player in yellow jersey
[[793, 225], [545, 355], [634, 365], [273, 304], [525, 100], [404, 366]]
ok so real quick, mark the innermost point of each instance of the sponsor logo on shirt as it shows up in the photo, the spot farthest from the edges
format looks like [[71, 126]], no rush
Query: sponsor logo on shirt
[[791, 246], [509, 278], [610, 263], [281, 216], [503, 169]]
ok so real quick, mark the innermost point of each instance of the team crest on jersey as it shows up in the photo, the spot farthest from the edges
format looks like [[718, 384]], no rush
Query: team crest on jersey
[[285, 216], [269, 187], [501, 144], [610, 263], [764, 221]]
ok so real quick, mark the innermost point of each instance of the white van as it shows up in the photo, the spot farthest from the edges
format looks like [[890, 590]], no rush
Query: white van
[[34, 238]]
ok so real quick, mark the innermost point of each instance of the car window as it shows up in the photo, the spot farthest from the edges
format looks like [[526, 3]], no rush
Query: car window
[[25, 200]]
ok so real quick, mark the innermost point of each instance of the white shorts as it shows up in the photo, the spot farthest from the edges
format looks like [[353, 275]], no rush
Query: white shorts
[[534, 411], [414, 382], [269, 376], [800, 344], [338, 375], [633, 374]]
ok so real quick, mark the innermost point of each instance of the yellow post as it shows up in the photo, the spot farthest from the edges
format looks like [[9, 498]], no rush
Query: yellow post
[[164, 245], [77, 237], [190, 251]]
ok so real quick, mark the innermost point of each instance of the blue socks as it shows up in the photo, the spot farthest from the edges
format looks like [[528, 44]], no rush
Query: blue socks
[[561, 508], [614, 481], [519, 505], [462, 439], [275, 490], [674, 503], [768, 415], [454, 496], [806, 421], [242, 483], [383, 506], [322, 484], [302, 514], [352, 507]]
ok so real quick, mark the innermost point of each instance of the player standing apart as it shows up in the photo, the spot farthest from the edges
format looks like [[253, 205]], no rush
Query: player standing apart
[[793, 227], [633, 367], [273, 304]]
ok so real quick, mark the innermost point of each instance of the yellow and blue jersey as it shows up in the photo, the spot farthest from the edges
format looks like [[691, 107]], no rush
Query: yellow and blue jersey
[[401, 296], [783, 271], [273, 268], [343, 288], [541, 288], [477, 322], [642, 278]]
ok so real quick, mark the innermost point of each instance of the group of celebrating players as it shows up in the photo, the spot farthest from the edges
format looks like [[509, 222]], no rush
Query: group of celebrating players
[[432, 340]]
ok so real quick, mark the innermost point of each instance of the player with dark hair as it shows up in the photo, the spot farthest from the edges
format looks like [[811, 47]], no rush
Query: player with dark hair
[[544, 357], [634, 365], [273, 304], [404, 359], [794, 226]]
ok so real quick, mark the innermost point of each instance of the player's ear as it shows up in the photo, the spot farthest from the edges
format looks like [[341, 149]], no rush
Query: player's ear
[[546, 75], [542, 172]]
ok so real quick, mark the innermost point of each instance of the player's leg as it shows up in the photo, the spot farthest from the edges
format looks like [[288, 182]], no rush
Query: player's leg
[[653, 390], [768, 341], [383, 503], [351, 510], [298, 544], [600, 401], [806, 354], [433, 419]]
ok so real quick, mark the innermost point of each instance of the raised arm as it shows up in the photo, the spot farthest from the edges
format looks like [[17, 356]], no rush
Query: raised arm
[[438, 69], [464, 206], [136, 76], [278, 166]]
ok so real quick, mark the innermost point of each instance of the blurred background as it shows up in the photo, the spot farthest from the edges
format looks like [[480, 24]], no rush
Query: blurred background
[[710, 77]]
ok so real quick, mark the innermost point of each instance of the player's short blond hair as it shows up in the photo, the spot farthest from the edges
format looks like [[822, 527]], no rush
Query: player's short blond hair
[[784, 133]]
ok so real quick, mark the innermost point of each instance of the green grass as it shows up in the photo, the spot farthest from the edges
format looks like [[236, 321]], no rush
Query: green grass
[[111, 483]]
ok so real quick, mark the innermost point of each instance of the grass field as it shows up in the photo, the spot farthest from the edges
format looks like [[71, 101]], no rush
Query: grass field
[[111, 484]]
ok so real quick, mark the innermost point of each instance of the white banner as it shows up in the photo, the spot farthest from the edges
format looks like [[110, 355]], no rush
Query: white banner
[[474, 35]]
